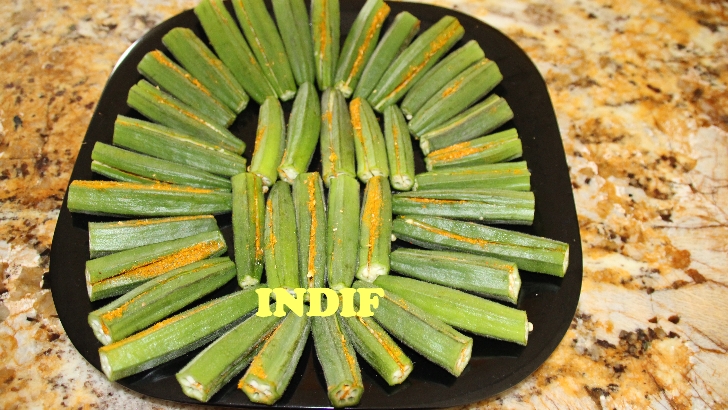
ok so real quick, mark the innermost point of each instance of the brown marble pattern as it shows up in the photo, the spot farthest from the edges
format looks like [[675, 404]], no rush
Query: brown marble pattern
[[640, 93]]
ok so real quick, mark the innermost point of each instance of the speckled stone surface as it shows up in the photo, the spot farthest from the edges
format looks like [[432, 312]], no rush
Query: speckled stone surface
[[639, 88]]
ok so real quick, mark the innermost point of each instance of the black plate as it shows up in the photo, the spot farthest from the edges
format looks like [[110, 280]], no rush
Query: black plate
[[550, 302]]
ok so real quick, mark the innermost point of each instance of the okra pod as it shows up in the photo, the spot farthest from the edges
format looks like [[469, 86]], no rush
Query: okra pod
[[338, 360], [399, 149], [200, 61], [376, 230], [439, 75], [158, 298], [529, 252], [280, 239], [176, 335], [165, 143], [309, 201], [166, 74], [415, 61], [423, 332], [115, 174], [293, 23], [402, 30], [248, 222], [478, 120], [103, 198], [359, 45], [508, 175], [228, 42], [269, 142], [462, 310], [488, 276], [325, 30], [304, 126], [161, 107], [371, 152], [337, 137], [262, 35], [266, 379], [343, 231], [500, 147]]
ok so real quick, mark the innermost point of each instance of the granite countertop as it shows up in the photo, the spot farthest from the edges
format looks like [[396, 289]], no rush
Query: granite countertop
[[639, 88]]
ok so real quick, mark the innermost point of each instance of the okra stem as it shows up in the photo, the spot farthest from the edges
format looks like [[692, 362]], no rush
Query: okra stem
[[248, 222], [343, 231], [376, 230], [337, 137], [269, 142], [371, 152], [399, 149], [304, 126]]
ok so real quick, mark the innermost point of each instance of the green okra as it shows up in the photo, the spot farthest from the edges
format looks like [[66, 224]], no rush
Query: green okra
[[485, 205], [377, 348], [375, 235], [514, 176], [338, 360], [175, 336], [371, 151], [266, 379], [262, 35], [499, 147], [103, 198], [441, 74], [399, 149], [156, 169], [166, 74], [529, 252], [456, 96], [293, 23], [399, 35], [270, 142], [154, 300], [109, 237], [462, 310], [343, 231], [325, 30], [280, 240], [224, 358], [478, 120], [200, 61], [163, 108], [304, 127], [337, 137], [359, 45], [488, 276], [248, 223], [422, 331], [309, 201], [415, 61], [115, 174], [228, 42]]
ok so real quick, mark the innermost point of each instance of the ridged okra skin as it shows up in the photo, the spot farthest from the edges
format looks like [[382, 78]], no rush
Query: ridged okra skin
[[325, 30], [270, 142], [400, 155], [118, 175], [499, 147], [293, 23], [342, 235], [375, 241], [513, 176], [337, 137], [371, 151], [309, 201], [281, 239], [302, 136], [338, 360], [248, 224]]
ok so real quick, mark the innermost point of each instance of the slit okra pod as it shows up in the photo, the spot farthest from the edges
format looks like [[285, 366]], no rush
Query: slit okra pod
[[415, 61], [484, 275], [262, 35], [338, 360], [325, 30], [163, 72], [161, 107], [359, 45], [116, 174], [154, 300], [280, 241], [309, 201], [200, 61], [102, 198], [337, 137], [302, 136], [342, 236], [529, 252], [514, 176], [421, 331], [375, 237], [165, 143], [499, 147], [371, 152], [268, 376], [248, 222], [293, 23], [399, 35], [175, 336], [270, 142], [399, 149], [228, 42]]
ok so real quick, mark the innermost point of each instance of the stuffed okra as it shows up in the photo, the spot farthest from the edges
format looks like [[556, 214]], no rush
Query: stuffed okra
[[491, 149], [399, 149], [309, 201], [304, 126], [514, 176], [342, 235], [280, 239], [270, 141], [337, 137], [338, 360], [248, 222], [375, 230]]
